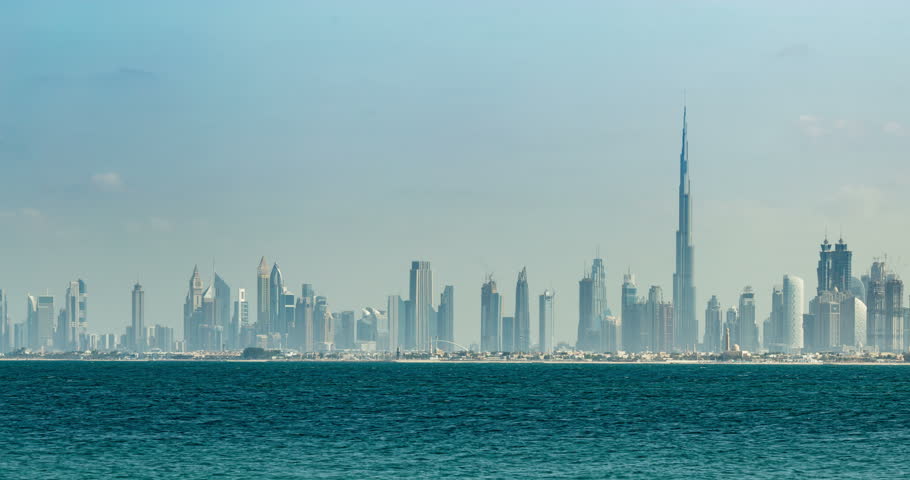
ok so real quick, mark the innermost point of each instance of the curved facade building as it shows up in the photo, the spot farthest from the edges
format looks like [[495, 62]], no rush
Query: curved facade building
[[793, 313]]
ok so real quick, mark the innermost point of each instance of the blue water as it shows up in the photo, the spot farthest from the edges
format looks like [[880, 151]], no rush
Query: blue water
[[196, 420]]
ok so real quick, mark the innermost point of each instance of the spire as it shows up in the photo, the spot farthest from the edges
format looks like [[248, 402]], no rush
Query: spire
[[263, 267]]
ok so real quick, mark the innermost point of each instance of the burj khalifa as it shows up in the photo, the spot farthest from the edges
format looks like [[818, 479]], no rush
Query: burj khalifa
[[685, 328]]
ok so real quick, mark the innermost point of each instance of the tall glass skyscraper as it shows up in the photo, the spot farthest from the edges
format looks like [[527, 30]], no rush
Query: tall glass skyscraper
[[421, 298], [792, 334], [522, 326], [685, 324], [263, 297], [137, 325], [547, 318], [490, 317]]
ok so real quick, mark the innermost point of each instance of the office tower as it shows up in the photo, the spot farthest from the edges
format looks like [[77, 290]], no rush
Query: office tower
[[6, 334], [209, 336], [490, 317], [745, 332], [445, 320], [345, 330], [508, 334], [834, 267], [276, 290], [599, 275], [547, 321], [684, 279], [659, 315], [420, 296], [222, 307], [521, 341], [588, 333], [395, 311], [192, 311], [792, 333], [713, 326], [263, 295], [137, 324], [368, 326], [822, 328], [730, 323], [775, 324], [240, 319], [610, 334], [61, 331], [31, 321], [853, 315], [323, 326], [163, 338], [303, 324], [74, 323], [635, 332], [44, 322], [894, 319]]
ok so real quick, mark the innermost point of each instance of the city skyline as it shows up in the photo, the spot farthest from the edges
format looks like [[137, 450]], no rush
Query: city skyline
[[105, 143]]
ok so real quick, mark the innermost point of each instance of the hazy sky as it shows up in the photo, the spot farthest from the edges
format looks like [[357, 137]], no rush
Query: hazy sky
[[345, 139]]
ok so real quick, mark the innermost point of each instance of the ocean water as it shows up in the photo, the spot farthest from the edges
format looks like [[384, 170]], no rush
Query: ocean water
[[199, 420]]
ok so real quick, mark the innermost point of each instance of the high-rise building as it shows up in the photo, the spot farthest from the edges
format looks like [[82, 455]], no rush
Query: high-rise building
[[137, 324], [659, 315], [508, 334], [304, 323], [490, 317], [834, 267], [685, 323], [792, 333], [521, 341], [193, 315], [44, 322], [263, 296], [323, 326], [276, 308], [894, 314], [240, 321], [396, 312], [599, 275], [421, 304], [774, 328], [74, 320], [547, 321], [745, 332], [635, 331], [588, 339], [222, 306], [713, 326], [345, 330], [884, 292], [445, 319]]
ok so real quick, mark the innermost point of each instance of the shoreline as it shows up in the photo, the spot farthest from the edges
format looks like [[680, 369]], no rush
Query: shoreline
[[450, 362]]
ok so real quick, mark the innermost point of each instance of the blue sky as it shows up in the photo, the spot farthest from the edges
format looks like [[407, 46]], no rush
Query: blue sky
[[345, 139]]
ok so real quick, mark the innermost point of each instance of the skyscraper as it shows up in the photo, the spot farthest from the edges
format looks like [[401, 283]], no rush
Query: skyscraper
[[587, 332], [635, 332], [445, 319], [547, 321], [74, 320], [263, 296], [490, 317], [834, 267], [240, 321], [276, 309], [421, 298], [659, 315], [599, 275], [793, 303], [508, 334], [684, 279], [192, 311], [745, 332], [304, 323], [713, 326], [223, 310], [396, 317], [44, 322], [522, 326], [137, 325]]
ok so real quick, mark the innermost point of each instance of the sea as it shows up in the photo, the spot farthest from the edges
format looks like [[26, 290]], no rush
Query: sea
[[336, 420]]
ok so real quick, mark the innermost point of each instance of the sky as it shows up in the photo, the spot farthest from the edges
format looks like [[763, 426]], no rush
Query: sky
[[345, 139]]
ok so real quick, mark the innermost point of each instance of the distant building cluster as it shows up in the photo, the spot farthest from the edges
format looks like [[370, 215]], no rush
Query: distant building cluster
[[846, 315]]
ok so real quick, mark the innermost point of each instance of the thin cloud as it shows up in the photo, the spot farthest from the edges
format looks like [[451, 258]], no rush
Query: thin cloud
[[108, 181], [811, 126]]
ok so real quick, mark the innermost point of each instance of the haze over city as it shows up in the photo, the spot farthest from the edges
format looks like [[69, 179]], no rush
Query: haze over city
[[346, 142]]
